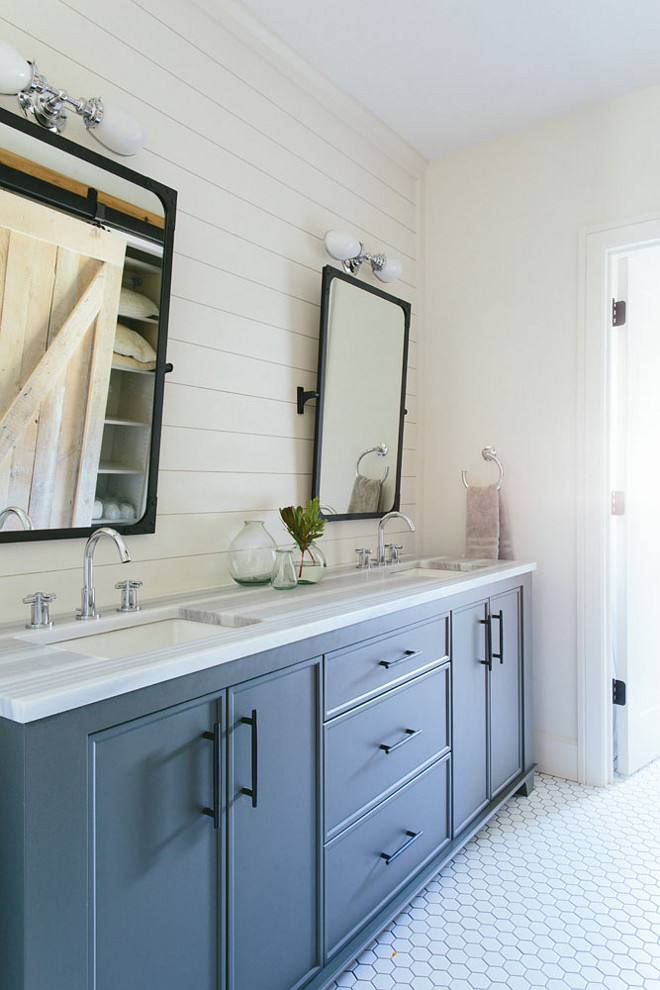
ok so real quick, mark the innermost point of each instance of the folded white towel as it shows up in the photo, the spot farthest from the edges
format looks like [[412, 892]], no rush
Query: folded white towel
[[111, 510]]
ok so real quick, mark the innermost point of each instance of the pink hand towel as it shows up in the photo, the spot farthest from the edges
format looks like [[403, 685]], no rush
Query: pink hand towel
[[487, 527]]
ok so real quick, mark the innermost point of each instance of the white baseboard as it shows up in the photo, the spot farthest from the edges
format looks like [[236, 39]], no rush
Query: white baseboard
[[556, 755]]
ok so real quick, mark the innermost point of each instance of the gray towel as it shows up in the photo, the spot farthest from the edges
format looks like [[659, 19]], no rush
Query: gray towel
[[487, 527], [365, 495], [506, 544]]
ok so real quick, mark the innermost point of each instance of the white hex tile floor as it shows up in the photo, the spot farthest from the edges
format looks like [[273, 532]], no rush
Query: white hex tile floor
[[560, 890]]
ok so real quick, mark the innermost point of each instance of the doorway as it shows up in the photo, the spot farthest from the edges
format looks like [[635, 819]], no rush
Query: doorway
[[619, 497]]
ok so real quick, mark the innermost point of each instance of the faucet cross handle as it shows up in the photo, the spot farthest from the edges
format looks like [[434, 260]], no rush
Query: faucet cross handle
[[363, 558], [393, 552], [129, 590], [40, 611]]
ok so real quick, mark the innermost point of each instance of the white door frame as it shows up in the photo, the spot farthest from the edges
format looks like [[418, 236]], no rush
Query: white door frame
[[594, 668]]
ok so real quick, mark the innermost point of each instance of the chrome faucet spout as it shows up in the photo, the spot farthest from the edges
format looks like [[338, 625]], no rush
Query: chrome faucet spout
[[21, 515], [380, 559], [88, 606]]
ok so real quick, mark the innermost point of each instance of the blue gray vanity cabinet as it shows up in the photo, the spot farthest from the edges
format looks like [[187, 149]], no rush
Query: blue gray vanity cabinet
[[253, 825], [273, 830], [487, 744], [155, 863]]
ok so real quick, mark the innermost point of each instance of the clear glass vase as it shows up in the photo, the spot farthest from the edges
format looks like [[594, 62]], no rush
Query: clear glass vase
[[252, 554], [310, 565], [284, 575]]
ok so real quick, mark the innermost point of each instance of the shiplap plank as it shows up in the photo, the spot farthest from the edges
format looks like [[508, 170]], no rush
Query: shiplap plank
[[210, 368], [194, 450], [192, 407], [201, 240], [202, 492], [194, 323], [244, 297]]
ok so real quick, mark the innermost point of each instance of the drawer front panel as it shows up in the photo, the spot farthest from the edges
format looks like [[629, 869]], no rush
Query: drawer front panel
[[368, 750], [408, 829], [358, 672]]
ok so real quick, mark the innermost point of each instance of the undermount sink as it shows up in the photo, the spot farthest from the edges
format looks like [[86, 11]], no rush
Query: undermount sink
[[457, 563], [124, 636], [416, 572], [430, 568]]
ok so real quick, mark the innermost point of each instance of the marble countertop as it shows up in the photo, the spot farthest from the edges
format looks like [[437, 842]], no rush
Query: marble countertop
[[40, 677]]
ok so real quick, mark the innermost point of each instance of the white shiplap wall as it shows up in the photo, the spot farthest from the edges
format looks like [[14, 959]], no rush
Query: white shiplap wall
[[266, 156]]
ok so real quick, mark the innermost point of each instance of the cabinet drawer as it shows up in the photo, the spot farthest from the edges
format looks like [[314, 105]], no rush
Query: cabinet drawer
[[368, 750], [408, 827], [356, 673]]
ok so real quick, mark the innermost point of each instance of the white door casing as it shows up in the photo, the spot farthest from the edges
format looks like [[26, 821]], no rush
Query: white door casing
[[594, 681]]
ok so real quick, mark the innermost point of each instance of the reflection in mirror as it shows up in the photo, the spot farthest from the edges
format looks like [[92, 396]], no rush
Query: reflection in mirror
[[85, 261], [363, 351]]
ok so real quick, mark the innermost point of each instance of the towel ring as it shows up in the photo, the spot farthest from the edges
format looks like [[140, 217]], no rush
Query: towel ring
[[381, 450], [488, 454]]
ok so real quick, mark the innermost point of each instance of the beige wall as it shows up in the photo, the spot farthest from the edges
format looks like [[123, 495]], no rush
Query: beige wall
[[500, 354], [266, 157]]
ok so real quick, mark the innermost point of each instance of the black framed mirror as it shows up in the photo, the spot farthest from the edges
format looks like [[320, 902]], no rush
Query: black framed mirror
[[360, 409], [85, 273]]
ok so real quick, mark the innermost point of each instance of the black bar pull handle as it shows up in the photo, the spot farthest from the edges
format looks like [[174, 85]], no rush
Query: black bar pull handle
[[407, 655], [409, 734], [500, 618], [488, 662], [252, 791], [390, 857], [214, 812]]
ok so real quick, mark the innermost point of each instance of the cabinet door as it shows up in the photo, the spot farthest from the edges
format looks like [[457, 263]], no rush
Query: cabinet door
[[470, 712], [505, 691], [154, 852], [273, 830]]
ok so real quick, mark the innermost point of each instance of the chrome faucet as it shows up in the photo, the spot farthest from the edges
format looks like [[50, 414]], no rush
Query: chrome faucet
[[380, 558], [88, 609], [21, 515]]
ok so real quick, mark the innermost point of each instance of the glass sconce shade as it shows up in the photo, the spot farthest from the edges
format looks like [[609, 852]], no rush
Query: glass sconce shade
[[390, 271], [341, 245], [119, 131], [15, 72]]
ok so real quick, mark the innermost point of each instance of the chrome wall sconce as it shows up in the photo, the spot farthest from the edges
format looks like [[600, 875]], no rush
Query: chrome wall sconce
[[347, 248], [114, 128]]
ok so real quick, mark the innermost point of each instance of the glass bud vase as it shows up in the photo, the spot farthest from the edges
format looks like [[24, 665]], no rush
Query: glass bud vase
[[252, 554], [310, 565], [284, 576]]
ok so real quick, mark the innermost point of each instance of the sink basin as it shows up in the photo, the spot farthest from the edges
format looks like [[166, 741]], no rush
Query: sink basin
[[430, 568], [122, 636], [419, 571], [457, 564]]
